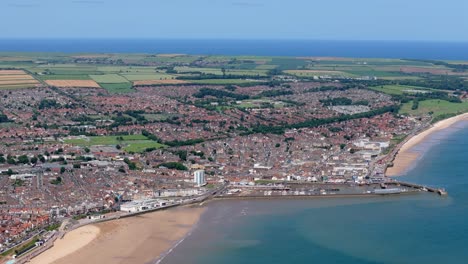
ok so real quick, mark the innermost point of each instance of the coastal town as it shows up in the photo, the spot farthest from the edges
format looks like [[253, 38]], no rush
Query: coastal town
[[76, 153]]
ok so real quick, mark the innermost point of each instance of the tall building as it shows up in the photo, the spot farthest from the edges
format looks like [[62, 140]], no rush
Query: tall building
[[199, 177]]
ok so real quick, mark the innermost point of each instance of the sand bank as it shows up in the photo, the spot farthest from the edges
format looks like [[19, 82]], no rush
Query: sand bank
[[71, 242], [139, 239], [407, 155]]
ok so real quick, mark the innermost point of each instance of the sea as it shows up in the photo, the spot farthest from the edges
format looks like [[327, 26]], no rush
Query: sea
[[414, 228], [334, 48]]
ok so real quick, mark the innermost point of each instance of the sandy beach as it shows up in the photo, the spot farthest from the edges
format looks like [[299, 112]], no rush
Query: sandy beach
[[407, 155], [139, 239]]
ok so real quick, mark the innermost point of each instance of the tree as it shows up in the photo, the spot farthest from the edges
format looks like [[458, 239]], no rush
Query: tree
[[118, 147], [87, 150], [62, 170], [223, 70], [33, 160], [11, 160]]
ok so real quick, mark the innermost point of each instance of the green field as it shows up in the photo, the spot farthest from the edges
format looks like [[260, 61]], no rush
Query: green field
[[396, 89], [218, 71], [144, 77], [16, 86], [438, 107], [104, 140], [109, 78], [64, 77], [157, 117], [131, 143], [222, 81], [117, 87], [141, 146], [312, 73]]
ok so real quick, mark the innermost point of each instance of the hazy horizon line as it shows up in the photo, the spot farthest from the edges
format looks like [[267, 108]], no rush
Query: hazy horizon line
[[233, 39]]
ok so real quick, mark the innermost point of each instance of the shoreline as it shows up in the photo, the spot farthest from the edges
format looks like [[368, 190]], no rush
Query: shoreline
[[142, 239], [406, 157]]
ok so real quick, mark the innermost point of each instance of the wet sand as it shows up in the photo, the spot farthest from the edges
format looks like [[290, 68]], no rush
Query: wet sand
[[408, 155], [138, 239]]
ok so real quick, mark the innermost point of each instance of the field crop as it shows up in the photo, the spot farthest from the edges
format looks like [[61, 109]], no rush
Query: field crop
[[73, 83], [109, 78], [222, 81], [159, 82], [146, 77], [311, 73], [16, 79]]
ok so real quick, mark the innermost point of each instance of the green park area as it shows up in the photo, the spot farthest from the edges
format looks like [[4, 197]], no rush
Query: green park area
[[129, 143]]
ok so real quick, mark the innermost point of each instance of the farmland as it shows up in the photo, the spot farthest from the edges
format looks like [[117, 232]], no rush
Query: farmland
[[312, 73], [118, 73], [12, 79], [73, 83], [159, 82], [109, 78]]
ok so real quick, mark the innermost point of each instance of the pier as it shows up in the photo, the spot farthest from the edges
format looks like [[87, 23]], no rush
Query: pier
[[440, 191]]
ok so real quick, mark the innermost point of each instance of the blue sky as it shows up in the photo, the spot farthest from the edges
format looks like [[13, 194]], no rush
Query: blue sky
[[432, 20]]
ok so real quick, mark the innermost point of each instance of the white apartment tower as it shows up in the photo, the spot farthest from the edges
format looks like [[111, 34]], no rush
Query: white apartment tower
[[199, 177]]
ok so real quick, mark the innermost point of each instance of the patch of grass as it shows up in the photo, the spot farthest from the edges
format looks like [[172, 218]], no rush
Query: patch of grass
[[109, 78], [372, 72], [311, 73], [266, 67], [286, 63], [105, 140], [397, 89], [117, 87], [437, 107], [64, 77], [157, 117], [221, 81], [145, 77], [142, 146]]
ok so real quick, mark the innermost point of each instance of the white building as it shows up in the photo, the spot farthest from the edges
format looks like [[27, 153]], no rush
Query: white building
[[199, 177]]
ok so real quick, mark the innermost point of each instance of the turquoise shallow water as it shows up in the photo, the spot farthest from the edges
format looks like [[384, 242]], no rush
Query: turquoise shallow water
[[420, 228]]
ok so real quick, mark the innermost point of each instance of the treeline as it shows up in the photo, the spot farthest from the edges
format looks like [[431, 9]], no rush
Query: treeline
[[173, 143], [332, 88], [319, 122], [336, 101], [48, 103], [407, 97], [273, 93], [342, 101], [219, 94], [173, 166], [204, 76], [3, 118]]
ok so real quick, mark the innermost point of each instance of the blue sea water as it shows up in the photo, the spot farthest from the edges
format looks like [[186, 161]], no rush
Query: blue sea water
[[358, 49], [417, 228]]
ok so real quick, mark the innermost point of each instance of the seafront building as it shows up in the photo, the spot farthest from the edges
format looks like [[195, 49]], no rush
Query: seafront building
[[199, 177]]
